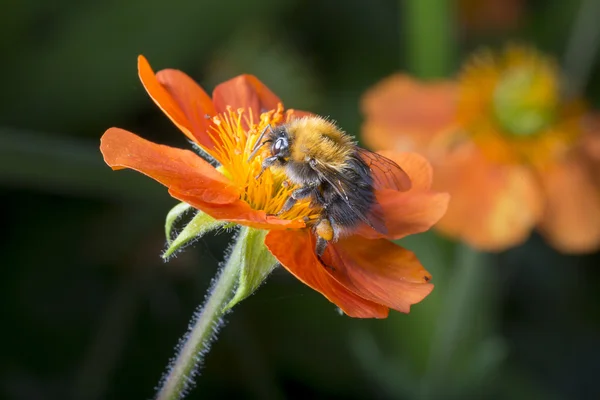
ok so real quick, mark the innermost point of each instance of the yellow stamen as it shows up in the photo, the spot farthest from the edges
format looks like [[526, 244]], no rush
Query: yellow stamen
[[238, 133], [510, 104]]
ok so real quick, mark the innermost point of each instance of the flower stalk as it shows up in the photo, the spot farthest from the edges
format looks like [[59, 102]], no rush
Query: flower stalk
[[429, 36], [203, 329], [462, 295]]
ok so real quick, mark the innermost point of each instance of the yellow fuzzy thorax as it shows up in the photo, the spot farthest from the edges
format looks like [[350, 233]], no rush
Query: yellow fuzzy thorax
[[319, 139]]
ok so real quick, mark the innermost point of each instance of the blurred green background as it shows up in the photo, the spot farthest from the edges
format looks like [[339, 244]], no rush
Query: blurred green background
[[89, 310]]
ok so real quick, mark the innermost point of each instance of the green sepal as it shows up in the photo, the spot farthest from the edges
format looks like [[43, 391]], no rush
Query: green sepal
[[197, 227], [172, 217], [255, 260]]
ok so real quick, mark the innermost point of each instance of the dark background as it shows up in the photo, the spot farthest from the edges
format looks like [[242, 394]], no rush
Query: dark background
[[89, 310]]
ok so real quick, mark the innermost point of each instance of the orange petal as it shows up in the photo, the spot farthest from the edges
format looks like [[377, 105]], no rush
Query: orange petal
[[196, 105], [239, 212], [379, 271], [404, 114], [492, 207], [245, 91], [385, 174], [407, 213], [571, 221], [181, 99], [590, 139], [411, 212], [178, 169], [417, 167], [479, 17], [295, 250]]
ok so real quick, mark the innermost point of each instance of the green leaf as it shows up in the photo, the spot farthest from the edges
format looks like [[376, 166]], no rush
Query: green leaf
[[255, 260], [197, 227]]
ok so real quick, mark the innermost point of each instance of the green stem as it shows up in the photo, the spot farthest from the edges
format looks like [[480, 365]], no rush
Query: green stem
[[460, 300], [203, 331], [582, 46], [428, 35]]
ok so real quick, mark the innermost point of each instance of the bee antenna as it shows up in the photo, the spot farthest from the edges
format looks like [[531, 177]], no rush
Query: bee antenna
[[258, 143]]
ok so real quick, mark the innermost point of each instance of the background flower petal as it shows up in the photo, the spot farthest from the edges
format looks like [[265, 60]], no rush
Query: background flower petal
[[245, 91], [180, 170], [571, 221], [181, 99], [295, 251], [492, 207], [403, 114], [380, 271]]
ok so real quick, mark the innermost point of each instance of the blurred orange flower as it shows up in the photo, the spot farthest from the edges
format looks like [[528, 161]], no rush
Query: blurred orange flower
[[513, 153], [370, 274], [489, 15]]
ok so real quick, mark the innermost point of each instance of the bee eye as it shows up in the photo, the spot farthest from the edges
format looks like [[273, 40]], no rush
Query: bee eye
[[280, 144]]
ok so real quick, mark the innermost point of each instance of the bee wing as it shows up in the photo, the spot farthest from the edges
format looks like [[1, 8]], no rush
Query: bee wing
[[374, 218], [385, 172]]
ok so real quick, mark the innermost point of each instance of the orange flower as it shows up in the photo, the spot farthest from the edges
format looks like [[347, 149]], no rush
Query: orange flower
[[489, 15], [505, 144], [369, 275]]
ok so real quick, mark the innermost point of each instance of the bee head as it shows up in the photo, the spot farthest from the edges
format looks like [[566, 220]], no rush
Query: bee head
[[280, 143]]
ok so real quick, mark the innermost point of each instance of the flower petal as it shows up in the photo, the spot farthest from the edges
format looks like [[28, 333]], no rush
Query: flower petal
[[493, 207], [181, 99], [380, 271], [178, 169], [410, 212], [407, 213], [404, 114], [240, 212], [196, 105], [417, 167], [590, 139], [245, 91], [571, 221], [295, 251]]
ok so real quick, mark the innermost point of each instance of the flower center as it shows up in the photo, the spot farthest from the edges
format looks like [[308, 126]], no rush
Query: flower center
[[510, 105], [239, 133], [525, 100]]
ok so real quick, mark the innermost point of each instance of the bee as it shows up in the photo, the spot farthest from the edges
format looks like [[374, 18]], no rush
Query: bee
[[337, 176]]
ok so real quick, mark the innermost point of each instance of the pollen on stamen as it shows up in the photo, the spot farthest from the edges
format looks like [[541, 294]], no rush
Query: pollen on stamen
[[238, 135]]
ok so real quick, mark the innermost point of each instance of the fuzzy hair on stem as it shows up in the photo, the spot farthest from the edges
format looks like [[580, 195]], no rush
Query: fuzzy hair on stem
[[203, 329]]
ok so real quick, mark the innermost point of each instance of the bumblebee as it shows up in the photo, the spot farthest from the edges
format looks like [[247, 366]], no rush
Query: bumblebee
[[329, 168]]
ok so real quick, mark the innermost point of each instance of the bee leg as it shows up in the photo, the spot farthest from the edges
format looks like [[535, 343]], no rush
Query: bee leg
[[296, 195], [324, 233], [320, 247], [266, 164], [310, 218]]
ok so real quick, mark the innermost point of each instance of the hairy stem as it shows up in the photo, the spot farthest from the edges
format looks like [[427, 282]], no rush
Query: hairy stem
[[204, 328]]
